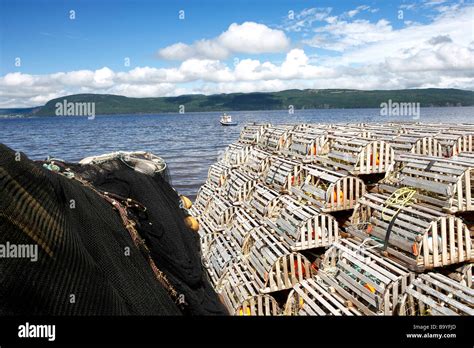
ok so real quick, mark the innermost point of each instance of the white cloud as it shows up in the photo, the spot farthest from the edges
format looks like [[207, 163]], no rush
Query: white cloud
[[248, 37], [371, 55]]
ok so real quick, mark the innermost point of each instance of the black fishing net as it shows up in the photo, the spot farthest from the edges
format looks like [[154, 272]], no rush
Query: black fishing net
[[88, 263]]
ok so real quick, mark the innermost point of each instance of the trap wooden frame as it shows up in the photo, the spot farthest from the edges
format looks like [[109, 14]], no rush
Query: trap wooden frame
[[302, 227], [436, 294], [329, 190], [242, 224], [359, 156], [312, 297], [463, 275], [239, 186], [421, 238], [236, 154], [305, 146], [201, 203], [264, 202], [372, 283], [221, 253], [206, 234], [241, 294], [272, 264], [258, 162], [251, 133], [453, 142], [283, 174], [445, 183], [220, 212], [420, 144], [218, 174], [274, 138]]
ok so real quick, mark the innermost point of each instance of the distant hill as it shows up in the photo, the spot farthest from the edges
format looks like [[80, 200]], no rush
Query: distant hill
[[19, 111], [300, 99]]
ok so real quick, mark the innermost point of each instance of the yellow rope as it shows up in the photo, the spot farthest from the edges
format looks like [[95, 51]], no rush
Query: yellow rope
[[401, 197]]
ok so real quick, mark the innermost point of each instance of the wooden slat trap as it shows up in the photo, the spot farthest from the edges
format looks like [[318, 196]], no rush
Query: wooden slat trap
[[258, 162], [202, 200], [206, 234], [329, 190], [306, 145], [264, 202], [453, 144], [412, 143], [218, 174], [239, 186], [372, 283], [272, 264], [462, 274], [221, 254], [302, 227], [241, 294], [420, 237], [445, 183], [242, 224], [236, 154], [313, 297], [284, 174], [359, 156], [220, 212], [251, 133], [436, 294], [274, 138]]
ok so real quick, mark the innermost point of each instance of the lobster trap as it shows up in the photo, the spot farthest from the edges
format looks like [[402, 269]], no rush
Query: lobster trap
[[445, 183], [236, 154], [258, 162], [239, 186], [242, 224], [221, 254], [359, 156], [274, 138], [369, 281], [453, 143], [218, 174], [436, 294], [264, 202], [284, 174], [202, 200], [312, 297], [329, 190], [416, 235], [241, 295], [220, 212], [251, 133], [302, 227], [272, 264], [305, 146]]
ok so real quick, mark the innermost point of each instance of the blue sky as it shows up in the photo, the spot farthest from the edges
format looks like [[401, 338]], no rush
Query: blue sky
[[229, 46]]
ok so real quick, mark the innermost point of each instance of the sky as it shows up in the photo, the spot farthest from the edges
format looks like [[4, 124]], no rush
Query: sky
[[146, 48]]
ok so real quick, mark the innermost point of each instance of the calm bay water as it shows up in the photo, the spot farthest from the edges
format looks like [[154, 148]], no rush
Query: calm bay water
[[188, 142]]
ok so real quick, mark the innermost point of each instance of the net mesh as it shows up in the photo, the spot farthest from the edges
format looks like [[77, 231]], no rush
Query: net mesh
[[87, 262]]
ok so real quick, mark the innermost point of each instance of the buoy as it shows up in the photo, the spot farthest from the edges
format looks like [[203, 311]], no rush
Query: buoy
[[369, 287], [377, 159], [191, 223], [336, 198], [186, 202], [303, 271], [414, 248], [247, 312], [369, 229], [301, 302]]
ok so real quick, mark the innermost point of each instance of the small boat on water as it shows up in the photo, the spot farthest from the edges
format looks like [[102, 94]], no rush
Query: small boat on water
[[226, 120]]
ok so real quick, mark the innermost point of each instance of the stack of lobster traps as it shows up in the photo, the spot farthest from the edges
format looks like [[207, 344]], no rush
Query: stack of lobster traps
[[341, 220]]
